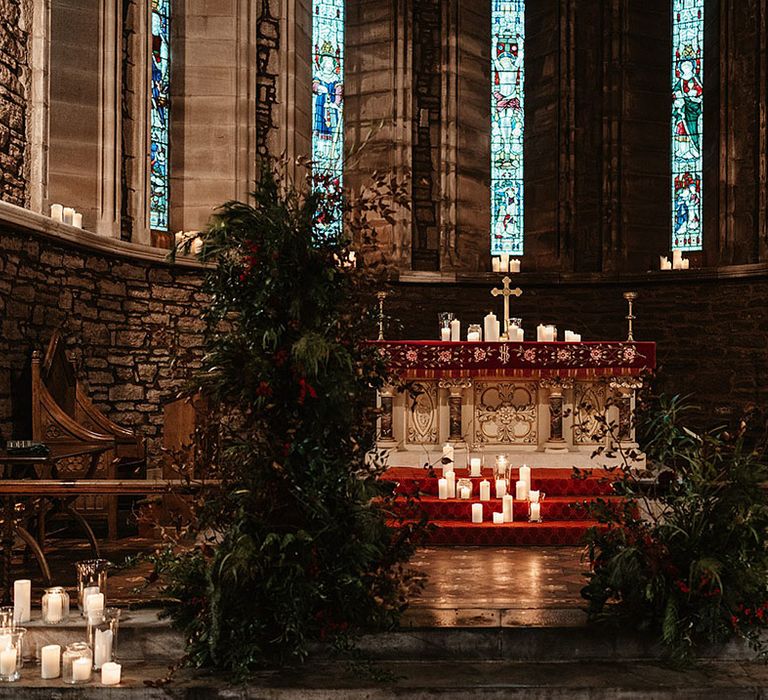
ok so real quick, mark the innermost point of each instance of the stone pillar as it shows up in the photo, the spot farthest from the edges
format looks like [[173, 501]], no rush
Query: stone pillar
[[624, 389], [386, 439], [455, 404], [555, 442]]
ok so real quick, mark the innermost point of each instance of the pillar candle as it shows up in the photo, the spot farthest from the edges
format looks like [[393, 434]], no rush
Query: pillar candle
[[667, 265], [485, 490], [507, 506], [577, 337], [541, 330], [514, 265], [102, 652], [57, 212], [498, 518], [455, 330], [535, 512], [521, 490], [5, 641], [464, 493], [677, 259], [520, 335], [504, 262], [8, 661], [491, 328], [445, 334], [197, 246], [501, 488], [477, 512], [525, 475], [67, 215], [110, 673], [495, 263], [475, 465], [50, 661], [533, 496], [22, 600], [77, 219], [55, 608], [663, 262], [685, 264], [81, 669], [551, 333], [442, 489], [450, 478], [473, 337], [94, 603]]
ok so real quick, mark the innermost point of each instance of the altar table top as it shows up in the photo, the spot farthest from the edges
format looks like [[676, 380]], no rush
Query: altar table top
[[427, 359]]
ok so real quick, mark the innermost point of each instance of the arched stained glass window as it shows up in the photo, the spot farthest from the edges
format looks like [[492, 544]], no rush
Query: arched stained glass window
[[328, 91], [160, 116], [687, 122], [507, 125]]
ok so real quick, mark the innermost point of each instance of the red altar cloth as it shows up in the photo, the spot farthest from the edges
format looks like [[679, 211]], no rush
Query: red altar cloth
[[427, 359]]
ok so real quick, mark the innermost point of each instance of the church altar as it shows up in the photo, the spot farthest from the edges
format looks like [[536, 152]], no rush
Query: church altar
[[536, 402]]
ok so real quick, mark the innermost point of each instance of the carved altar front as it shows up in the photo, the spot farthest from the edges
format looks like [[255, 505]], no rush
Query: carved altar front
[[544, 403]]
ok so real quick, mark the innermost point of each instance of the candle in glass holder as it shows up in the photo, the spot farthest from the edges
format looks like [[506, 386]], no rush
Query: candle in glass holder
[[521, 490], [485, 490], [445, 334], [464, 492], [475, 465], [477, 512], [535, 512], [110, 673], [498, 518], [507, 505], [501, 488], [8, 659], [50, 661], [442, 489], [81, 669]]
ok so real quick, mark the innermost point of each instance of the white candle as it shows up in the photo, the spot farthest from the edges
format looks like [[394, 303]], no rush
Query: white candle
[[473, 337], [50, 661], [495, 263], [449, 453], [504, 262], [8, 661], [57, 212], [77, 219], [455, 330], [521, 490], [442, 489], [55, 608], [568, 336], [491, 328], [667, 265], [525, 475], [533, 496], [5, 641], [535, 512], [68, 213], [507, 506], [110, 673], [464, 492], [485, 490], [475, 466], [686, 264], [94, 603], [551, 333], [663, 262], [514, 265], [477, 512], [541, 331], [22, 600], [577, 337], [450, 477], [102, 652], [445, 334], [197, 246], [81, 669], [501, 488], [498, 518], [520, 335]]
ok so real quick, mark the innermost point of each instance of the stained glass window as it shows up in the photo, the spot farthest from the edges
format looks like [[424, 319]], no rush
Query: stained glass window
[[687, 122], [328, 94], [507, 125], [160, 116]]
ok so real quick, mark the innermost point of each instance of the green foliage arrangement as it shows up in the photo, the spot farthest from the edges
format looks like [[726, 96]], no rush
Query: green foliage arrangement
[[294, 546], [684, 556]]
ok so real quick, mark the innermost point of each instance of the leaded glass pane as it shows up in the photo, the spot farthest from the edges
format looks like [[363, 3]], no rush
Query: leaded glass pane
[[687, 122], [160, 117], [507, 125]]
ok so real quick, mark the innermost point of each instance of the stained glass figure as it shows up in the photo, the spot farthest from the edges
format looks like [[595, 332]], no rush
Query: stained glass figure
[[328, 97], [687, 122], [507, 125], [160, 116]]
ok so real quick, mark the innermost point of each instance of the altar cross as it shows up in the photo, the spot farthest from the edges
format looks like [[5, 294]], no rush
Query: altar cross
[[506, 292]]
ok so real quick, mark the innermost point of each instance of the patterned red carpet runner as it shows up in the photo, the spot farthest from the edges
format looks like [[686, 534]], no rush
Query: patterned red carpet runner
[[564, 517]]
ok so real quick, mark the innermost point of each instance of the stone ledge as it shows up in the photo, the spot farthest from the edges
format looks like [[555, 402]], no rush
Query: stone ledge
[[56, 232]]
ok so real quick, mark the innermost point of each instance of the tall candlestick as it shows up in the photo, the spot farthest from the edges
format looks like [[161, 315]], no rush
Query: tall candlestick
[[22, 600], [477, 512], [677, 259], [507, 505], [504, 262], [50, 661], [485, 490], [501, 488], [442, 489], [102, 652]]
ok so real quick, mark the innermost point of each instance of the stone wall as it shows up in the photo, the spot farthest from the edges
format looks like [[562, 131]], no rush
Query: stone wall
[[134, 327], [14, 65]]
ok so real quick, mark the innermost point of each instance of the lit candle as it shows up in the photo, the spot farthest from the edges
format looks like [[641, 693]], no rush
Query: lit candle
[[535, 512], [94, 604], [88, 591], [533, 496], [477, 512], [514, 265], [55, 609], [551, 333], [77, 219], [465, 493], [442, 489], [445, 334], [541, 333], [57, 212], [498, 518], [485, 490], [455, 330], [577, 337], [449, 452], [521, 490], [473, 337], [663, 262], [491, 328], [450, 478], [525, 475], [8, 661], [507, 507], [81, 669], [102, 652], [677, 259], [475, 465], [67, 215], [504, 262], [495, 263], [110, 673], [686, 264], [22, 600], [568, 336], [501, 488], [50, 661], [520, 335]]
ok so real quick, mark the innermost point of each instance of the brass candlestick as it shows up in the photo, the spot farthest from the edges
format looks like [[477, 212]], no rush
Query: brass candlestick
[[630, 297], [381, 296]]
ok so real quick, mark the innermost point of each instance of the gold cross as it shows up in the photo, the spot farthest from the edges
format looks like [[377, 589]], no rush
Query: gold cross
[[506, 292]]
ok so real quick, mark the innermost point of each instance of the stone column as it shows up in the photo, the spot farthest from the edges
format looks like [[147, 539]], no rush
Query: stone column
[[555, 442], [386, 439], [456, 389], [624, 389]]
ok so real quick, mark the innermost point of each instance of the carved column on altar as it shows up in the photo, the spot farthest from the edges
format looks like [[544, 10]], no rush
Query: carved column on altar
[[556, 442], [386, 439], [456, 389], [624, 389]]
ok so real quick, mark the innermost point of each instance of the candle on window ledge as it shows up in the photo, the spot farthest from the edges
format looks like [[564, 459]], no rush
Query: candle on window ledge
[[664, 263], [475, 466], [514, 265], [501, 488], [507, 506], [685, 264], [535, 512], [477, 512], [50, 661], [450, 477], [455, 330], [22, 600], [504, 262], [67, 215], [677, 259], [77, 220], [442, 489], [57, 212], [521, 490], [495, 264], [498, 518], [485, 490]]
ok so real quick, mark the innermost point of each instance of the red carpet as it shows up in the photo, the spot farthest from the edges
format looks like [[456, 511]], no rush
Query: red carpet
[[564, 516]]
